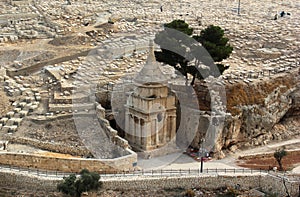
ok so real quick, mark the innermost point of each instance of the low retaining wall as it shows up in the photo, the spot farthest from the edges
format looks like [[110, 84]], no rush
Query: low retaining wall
[[267, 183], [203, 181], [33, 68], [28, 182], [54, 147], [275, 185], [23, 180], [110, 132], [68, 164]]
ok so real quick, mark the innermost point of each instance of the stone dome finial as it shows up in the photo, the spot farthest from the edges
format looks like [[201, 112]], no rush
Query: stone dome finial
[[151, 56], [151, 72]]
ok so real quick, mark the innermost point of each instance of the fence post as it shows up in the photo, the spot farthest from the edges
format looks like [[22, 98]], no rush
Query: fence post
[[225, 170], [234, 170]]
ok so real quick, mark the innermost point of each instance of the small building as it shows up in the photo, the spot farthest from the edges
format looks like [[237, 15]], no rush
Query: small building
[[150, 111]]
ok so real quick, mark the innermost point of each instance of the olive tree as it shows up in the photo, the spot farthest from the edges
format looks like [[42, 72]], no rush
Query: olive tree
[[278, 155]]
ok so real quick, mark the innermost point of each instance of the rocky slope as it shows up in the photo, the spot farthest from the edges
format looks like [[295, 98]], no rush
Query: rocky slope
[[257, 112]]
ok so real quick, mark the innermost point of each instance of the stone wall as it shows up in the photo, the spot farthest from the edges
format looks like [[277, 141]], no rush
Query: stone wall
[[112, 133], [275, 185], [265, 182], [69, 107], [23, 180], [54, 147], [68, 164], [19, 3], [33, 68], [203, 181]]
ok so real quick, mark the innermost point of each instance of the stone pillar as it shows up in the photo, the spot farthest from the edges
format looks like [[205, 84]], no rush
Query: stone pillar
[[135, 130], [127, 126], [148, 134], [165, 130], [173, 127], [143, 134], [131, 129], [138, 132], [156, 133], [153, 132]]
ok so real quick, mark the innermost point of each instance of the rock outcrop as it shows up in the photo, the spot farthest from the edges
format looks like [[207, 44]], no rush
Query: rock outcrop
[[255, 112]]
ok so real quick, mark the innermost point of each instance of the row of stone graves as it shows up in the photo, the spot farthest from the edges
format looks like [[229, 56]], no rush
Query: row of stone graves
[[27, 100]]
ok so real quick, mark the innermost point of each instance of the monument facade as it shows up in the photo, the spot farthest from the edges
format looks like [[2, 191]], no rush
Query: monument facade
[[150, 111]]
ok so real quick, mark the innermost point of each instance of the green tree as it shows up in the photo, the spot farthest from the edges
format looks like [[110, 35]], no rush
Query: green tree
[[278, 155], [213, 40], [170, 39], [86, 181], [187, 55], [68, 186]]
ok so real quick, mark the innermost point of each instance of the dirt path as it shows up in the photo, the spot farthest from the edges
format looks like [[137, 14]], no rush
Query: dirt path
[[293, 144]]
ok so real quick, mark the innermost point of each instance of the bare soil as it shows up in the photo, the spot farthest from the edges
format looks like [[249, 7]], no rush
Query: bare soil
[[59, 131], [267, 161]]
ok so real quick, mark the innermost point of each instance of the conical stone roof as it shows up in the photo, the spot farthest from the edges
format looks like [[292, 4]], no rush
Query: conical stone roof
[[151, 72]]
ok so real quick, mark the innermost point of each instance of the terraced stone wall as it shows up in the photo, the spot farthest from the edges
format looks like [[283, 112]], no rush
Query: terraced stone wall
[[68, 164]]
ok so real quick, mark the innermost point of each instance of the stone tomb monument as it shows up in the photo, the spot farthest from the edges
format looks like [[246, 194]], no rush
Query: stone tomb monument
[[150, 111]]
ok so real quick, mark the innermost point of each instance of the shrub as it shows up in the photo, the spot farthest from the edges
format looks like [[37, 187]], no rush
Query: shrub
[[74, 186]]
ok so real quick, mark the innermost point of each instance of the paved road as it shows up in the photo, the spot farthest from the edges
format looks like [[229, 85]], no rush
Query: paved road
[[182, 161]]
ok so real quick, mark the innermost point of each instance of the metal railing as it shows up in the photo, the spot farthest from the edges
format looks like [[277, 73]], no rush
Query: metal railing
[[141, 173], [34, 171], [179, 172]]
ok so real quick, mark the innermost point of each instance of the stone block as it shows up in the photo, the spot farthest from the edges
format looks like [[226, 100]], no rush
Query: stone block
[[5, 129], [10, 114], [17, 110], [10, 122], [22, 105], [3, 120]]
